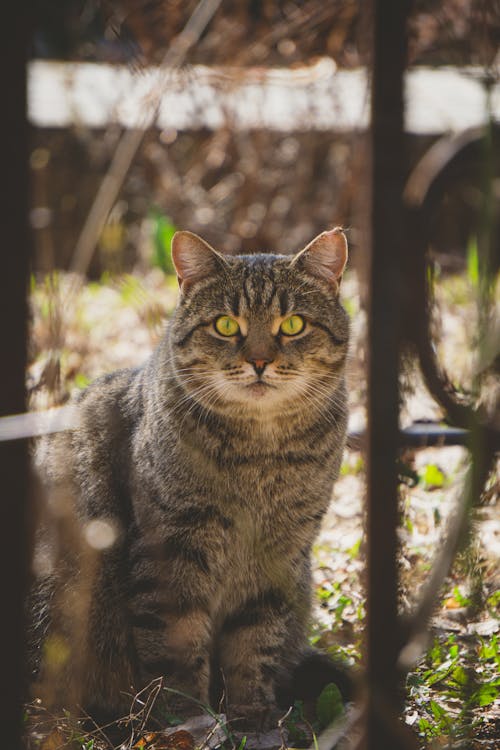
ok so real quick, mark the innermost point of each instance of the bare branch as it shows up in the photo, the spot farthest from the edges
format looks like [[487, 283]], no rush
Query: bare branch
[[131, 140]]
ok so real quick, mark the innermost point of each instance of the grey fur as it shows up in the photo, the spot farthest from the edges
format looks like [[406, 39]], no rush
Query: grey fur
[[215, 487]]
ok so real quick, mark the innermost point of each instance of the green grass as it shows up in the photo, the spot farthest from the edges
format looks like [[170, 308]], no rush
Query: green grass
[[456, 679]]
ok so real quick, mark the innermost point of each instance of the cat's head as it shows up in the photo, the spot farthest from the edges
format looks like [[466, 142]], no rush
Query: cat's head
[[259, 333]]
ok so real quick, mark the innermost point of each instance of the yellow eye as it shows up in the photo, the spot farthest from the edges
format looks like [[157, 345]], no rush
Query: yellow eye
[[226, 326], [293, 325]]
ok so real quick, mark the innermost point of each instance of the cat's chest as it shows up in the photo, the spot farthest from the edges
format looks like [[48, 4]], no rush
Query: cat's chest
[[256, 552], [260, 485], [266, 493], [271, 511]]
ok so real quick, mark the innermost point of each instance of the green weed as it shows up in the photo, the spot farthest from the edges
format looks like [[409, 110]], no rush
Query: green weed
[[329, 705], [432, 477], [493, 603], [295, 724], [81, 381], [332, 597], [353, 551], [352, 466], [473, 262], [449, 690], [163, 229]]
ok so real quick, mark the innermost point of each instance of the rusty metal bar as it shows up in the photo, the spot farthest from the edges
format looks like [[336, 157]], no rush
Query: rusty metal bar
[[13, 319], [386, 283]]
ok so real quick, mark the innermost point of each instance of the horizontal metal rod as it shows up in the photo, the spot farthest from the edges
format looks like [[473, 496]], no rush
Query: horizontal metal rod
[[59, 419], [418, 435], [37, 423]]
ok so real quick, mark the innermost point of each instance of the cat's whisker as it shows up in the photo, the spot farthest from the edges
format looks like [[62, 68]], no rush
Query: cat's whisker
[[324, 398], [211, 399], [183, 379], [205, 411], [203, 391], [321, 395], [193, 395], [188, 398]]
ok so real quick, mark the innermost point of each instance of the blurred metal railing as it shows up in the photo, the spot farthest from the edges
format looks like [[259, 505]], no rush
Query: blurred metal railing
[[386, 284], [14, 510]]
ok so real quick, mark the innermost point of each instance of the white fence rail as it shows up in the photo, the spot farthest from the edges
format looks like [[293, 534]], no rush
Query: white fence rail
[[318, 97]]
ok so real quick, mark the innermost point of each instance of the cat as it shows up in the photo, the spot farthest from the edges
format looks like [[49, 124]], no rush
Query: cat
[[211, 467]]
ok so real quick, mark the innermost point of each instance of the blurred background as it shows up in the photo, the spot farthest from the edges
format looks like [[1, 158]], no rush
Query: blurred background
[[246, 121], [259, 139]]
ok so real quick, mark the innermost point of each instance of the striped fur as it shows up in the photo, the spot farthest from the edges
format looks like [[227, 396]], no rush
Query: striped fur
[[216, 480]]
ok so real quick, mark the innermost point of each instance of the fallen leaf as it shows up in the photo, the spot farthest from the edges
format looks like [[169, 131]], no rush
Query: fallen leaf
[[55, 741], [179, 739], [147, 739], [207, 732]]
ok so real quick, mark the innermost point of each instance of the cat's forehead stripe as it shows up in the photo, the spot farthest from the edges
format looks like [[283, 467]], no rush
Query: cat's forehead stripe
[[235, 303], [246, 288], [283, 300], [259, 286]]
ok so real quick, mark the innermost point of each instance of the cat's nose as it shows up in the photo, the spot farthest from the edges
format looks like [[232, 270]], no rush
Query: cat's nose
[[259, 365]]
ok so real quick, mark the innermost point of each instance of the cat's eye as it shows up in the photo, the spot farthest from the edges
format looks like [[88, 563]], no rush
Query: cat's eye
[[226, 326], [293, 325]]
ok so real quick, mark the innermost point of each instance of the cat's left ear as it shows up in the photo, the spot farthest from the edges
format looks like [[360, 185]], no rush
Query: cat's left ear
[[193, 259], [325, 257]]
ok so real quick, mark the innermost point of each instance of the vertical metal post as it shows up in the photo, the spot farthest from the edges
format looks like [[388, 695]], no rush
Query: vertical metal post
[[13, 319], [385, 310]]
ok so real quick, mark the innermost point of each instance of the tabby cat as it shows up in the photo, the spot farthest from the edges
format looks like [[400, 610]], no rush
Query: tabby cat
[[213, 464]]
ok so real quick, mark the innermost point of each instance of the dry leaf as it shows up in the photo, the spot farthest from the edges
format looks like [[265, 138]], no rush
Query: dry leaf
[[55, 741], [179, 739]]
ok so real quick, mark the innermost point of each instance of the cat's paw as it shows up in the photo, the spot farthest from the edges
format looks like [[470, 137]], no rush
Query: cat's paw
[[311, 675]]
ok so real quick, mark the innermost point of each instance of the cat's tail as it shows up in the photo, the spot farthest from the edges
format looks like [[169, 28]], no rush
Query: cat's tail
[[310, 676]]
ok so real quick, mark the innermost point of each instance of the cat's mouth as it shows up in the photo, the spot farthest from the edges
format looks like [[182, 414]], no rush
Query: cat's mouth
[[259, 388]]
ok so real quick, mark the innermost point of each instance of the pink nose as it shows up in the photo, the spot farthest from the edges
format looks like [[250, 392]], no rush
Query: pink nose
[[259, 365]]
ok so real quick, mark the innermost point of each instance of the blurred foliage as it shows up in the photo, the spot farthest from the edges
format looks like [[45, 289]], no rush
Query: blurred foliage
[[432, 477], [257, 32], [241, 191], [162, 230], [473, 262], [244, 191]]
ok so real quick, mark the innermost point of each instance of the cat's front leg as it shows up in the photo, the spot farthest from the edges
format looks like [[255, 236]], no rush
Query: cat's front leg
[[176, 647], [170, 596], [258, 648]]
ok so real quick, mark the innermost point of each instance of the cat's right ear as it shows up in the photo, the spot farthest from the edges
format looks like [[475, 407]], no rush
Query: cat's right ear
[[325, 257], [193, 259]]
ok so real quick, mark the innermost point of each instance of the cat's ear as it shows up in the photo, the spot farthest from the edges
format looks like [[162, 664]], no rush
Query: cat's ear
[[193, 258], [325, 257]]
